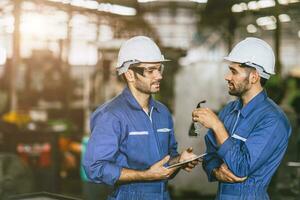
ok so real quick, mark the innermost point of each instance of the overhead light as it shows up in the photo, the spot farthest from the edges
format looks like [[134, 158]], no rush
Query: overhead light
[[244, 6], [78, 3], [284, 18], [270, 27], [199, 1], [286, 2], [66, 1], [61, 1], [251, 28], [283, 2], [145, 1], [299, 33], [266, 3], [264, 21], [117, 9], [105, 7], [91, 4], [236, 8], [253, 5]]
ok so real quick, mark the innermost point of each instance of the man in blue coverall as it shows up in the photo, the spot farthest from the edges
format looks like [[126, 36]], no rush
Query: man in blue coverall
[[246, 142], [132, 137]]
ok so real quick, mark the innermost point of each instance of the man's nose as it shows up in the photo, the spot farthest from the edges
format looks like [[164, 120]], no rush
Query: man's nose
[[158, 75], [228, 77]]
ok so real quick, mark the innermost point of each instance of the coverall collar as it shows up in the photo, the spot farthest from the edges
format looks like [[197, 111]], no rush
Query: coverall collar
[[251, 105], [133, 102]]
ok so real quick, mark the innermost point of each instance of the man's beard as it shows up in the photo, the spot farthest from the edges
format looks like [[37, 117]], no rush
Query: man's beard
[[239, 89], [144, 88]]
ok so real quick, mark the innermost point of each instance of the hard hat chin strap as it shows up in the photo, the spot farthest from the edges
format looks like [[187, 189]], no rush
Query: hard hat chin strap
[[259, 69]]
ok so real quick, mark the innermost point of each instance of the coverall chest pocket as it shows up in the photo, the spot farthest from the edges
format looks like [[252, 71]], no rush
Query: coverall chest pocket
[[164, 135], [138, 146]]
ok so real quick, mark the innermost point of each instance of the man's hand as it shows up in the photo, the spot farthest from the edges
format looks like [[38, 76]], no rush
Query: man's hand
[[158, 172], [209, 119], [206, 117], [187, 155], [223, 174]]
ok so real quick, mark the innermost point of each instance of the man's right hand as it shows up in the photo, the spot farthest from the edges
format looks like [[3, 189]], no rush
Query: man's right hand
[[223, 174], [158, 172]]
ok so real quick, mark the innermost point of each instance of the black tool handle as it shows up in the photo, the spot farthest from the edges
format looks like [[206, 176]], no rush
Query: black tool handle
[[199, 104]]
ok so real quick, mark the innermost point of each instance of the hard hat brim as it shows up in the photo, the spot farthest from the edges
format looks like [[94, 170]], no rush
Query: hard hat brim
[[159, 61], [227, 58]]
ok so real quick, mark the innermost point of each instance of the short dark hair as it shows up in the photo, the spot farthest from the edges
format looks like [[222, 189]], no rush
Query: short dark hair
[[262, 81]]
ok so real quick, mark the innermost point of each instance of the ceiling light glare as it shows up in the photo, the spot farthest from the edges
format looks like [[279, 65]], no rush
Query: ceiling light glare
[[253, 5], [266, 3], [283, 2], [251, 28], [244, 6], [284, 18], [58, 1], [264, 21], [271, 27], [117, 9], [236, 8], [66, 1], [199, 1], [145, 1], [91, 4], [78, 3]]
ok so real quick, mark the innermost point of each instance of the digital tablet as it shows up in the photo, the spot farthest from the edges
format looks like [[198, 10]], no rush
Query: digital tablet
[[186, 161]]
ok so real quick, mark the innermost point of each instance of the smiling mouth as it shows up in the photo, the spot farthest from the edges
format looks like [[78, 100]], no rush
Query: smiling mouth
[[157, 84]]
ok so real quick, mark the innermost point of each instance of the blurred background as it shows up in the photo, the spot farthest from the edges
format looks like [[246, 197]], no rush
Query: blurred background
[[57, 64]]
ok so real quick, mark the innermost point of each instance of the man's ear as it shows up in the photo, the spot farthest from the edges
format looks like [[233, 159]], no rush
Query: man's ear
[[254, 77], [129, 75]]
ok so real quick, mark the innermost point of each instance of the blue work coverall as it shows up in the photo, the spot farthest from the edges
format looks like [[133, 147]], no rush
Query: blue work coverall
[[258, 139], [124, 136]]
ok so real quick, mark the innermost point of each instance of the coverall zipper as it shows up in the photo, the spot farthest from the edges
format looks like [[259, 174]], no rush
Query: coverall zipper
[[158, 147]]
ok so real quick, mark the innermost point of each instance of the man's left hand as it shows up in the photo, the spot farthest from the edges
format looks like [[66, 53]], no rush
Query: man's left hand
[[223, 174], [187, 155]]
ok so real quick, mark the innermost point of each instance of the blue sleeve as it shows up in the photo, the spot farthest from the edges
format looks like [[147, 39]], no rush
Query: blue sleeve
[[100, 157], [173, 143], [244, 157], [212, 159]]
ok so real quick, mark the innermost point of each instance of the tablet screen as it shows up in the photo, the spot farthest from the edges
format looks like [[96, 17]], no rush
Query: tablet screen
[[186, 161]]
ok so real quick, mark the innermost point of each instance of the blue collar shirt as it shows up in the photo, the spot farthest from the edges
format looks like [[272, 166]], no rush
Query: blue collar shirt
[[258, 138], [123, 135]]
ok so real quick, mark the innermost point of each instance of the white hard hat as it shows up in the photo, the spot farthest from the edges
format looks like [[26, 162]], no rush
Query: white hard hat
[[137, 50], [256, 53]]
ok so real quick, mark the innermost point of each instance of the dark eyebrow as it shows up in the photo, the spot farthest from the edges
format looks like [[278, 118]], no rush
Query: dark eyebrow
[[153, 67], [232, 69]]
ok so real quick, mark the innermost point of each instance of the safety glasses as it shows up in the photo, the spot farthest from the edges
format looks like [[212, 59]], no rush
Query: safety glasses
[[148, 71]]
